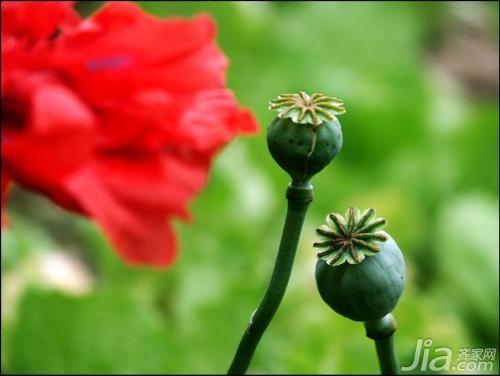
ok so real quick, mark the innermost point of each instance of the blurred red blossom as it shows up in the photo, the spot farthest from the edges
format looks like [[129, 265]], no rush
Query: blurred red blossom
[[116, 117]]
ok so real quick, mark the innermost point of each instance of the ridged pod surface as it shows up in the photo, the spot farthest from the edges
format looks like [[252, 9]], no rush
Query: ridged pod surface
[[365, 291]]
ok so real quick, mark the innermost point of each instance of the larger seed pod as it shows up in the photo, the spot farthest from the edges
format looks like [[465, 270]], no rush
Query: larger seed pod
[[306, 135], [356, 286]]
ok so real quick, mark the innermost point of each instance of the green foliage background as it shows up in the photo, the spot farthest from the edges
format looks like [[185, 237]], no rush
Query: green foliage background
[[420, 146]]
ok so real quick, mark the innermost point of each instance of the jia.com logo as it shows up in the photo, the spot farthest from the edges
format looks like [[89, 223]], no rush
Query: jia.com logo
[[443, 359]]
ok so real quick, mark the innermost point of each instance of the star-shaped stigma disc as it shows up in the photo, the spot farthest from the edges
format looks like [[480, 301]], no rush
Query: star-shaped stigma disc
[[350, 238], [304, 109]]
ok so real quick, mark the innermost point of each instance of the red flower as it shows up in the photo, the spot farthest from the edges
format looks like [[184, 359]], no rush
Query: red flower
[[116, 117], [36, 20]]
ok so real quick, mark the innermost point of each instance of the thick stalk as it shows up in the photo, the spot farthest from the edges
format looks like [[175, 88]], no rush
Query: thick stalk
[[299, 197], [382, 332]]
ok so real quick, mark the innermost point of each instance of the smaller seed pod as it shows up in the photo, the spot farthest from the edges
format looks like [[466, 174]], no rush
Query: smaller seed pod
[[360, 272], [306, 135]]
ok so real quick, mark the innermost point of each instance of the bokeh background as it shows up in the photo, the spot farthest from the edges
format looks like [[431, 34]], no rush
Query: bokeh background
[[420, 83]]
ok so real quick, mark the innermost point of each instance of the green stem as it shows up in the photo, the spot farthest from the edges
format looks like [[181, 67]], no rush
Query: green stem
[[387, 356], [299, 197], [382, 332]]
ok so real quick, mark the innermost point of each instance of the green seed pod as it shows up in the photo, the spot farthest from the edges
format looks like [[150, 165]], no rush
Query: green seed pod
[[360, 271], [306, 135]]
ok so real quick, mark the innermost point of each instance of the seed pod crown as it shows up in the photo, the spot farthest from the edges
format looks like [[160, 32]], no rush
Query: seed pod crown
[[350, 238]]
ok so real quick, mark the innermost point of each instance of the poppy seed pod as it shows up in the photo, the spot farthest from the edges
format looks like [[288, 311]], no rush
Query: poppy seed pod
[[306, 135], [360, 271]]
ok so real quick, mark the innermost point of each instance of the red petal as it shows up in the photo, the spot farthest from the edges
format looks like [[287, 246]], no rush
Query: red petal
[[132, 202], [59, 136], [36, 19], [125, 26], [124, 50], [211, 120], [246, 122], [138, 239]]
